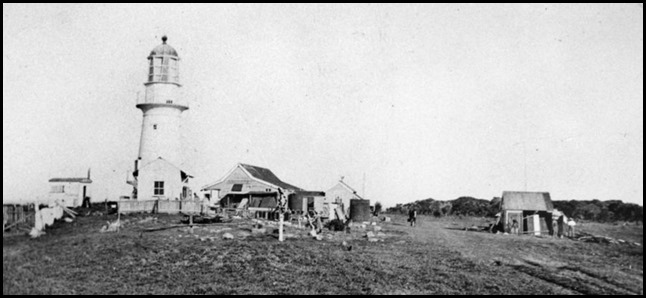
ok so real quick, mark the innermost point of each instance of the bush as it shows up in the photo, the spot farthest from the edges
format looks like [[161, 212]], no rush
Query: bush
[[335, 225]]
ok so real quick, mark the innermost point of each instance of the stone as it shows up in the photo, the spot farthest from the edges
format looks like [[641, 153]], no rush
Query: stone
[[258, 231], [373, 240], [227, 236], [381, 234], [377, 228], [244, 234], [370, 235]]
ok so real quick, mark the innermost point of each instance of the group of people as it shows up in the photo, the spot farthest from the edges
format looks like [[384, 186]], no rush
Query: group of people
[[559, 226], [562, 226]]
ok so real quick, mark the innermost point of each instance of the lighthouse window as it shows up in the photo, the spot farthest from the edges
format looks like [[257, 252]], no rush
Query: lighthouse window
[[173, 71], [155, 126], [159, 188]]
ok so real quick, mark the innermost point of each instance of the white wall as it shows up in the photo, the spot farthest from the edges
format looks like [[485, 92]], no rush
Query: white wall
[[160, 135], [339, 191], [72, 195], [159, 170]]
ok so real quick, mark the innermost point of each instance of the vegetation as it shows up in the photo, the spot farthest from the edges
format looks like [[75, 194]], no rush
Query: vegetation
[[436, 257]]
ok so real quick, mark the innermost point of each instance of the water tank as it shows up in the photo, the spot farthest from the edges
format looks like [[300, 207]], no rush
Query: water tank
[[360, 210], [295, 203]]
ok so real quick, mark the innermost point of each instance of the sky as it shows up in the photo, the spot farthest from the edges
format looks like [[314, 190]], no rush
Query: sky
[[406, 101]]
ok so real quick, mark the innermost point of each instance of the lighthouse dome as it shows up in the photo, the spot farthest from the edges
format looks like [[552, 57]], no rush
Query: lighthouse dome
[[163, 49]]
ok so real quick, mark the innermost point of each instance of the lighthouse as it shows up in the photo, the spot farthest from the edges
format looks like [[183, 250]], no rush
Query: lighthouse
[[156, 174]]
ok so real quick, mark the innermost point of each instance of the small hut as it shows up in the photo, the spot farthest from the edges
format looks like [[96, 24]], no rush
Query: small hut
[[532, 210]]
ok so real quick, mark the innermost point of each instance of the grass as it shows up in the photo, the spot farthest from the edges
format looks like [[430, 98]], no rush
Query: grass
[[431, 258]]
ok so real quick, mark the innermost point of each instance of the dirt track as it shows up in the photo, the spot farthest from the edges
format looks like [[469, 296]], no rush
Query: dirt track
[[559, 265]]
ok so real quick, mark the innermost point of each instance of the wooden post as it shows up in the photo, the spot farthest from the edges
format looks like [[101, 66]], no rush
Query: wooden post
[[281, 235], [4, 220], [118, 221], [190, 224]]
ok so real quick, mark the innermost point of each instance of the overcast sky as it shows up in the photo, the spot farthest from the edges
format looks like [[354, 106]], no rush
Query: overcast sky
[[427, 100]]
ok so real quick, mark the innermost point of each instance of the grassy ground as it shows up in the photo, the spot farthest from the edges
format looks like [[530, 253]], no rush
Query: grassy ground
[[432, 258]]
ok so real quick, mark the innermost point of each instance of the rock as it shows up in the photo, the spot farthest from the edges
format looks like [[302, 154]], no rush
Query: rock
[[381, 234], [387, 219], [373, 240], [370, 235], [258, 231], [69, 220], [374, 223], [319, 238], [227, 236], [377, 228], [365, 223], [244, 234]]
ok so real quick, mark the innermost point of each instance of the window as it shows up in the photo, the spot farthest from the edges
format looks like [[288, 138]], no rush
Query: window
[[237, 187], [58, 189], [163, 69], [159, 188], [155, 126]]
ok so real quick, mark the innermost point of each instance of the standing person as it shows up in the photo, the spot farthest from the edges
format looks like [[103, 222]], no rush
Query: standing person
[[570, 228], [412, 217], [514, 227], [555, 227], [561, 223]]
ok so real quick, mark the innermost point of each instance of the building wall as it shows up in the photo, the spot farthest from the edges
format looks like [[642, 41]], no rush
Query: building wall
[[160, 135], [163, 93], [159, 171], [238, 176], [72, 195], [339, 192]]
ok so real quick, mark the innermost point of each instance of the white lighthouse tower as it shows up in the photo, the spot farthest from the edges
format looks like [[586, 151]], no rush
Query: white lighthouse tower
[[156, 174]]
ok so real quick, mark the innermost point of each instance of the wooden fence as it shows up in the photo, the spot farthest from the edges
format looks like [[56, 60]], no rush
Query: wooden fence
[[17, 216], [161, 206]]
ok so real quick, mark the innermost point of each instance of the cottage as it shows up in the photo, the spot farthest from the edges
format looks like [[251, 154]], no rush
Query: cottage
[[532, 211], [247, 186]]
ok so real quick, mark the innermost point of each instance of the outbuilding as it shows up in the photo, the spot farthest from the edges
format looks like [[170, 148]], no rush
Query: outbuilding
[[532, 211]]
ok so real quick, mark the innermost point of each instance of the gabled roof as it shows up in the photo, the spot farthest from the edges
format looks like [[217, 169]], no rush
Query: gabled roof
[[267, 176], [521, 200], [262, 175], [350, 189], [71, 180]]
